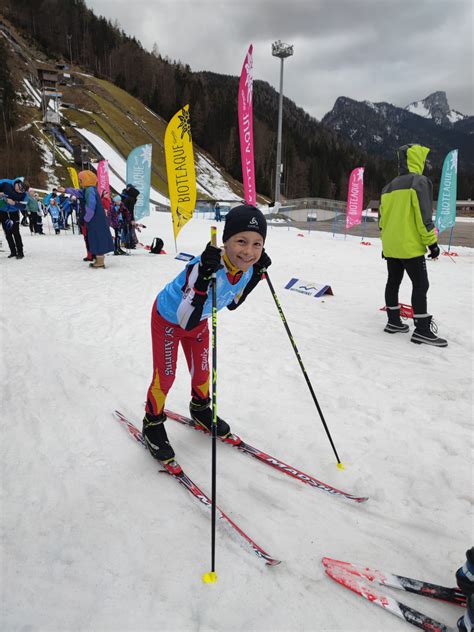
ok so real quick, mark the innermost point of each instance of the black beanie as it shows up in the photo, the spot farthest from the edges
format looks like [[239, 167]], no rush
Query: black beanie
[[244, 218]]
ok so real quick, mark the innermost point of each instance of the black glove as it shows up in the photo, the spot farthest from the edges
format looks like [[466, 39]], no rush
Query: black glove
[[434, 251], [210, 261], [263, 263]]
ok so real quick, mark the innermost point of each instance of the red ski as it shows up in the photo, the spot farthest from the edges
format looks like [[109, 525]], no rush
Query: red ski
[[175, 471], [281, 466], [366, 589]]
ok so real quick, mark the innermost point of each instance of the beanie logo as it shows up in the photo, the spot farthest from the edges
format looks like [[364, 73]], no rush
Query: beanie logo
[[253, 222]]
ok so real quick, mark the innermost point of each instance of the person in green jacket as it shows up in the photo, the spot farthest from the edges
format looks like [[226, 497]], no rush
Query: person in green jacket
[[35, 214], [407, 230]]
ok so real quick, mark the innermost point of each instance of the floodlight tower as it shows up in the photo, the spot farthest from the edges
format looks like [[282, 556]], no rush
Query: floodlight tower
[[281, 50]]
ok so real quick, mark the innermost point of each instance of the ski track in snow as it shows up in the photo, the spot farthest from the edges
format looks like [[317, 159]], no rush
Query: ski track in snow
[[96, 539]]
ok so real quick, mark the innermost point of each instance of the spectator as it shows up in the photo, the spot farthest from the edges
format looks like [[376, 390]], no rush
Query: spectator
[[35, 213], [407, 230], [54, 210], [13, 193], [117, 216], [95, 222], [129, 197]]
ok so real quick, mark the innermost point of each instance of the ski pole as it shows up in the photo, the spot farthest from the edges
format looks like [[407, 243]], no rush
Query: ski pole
[[295, 348], [211, 577]]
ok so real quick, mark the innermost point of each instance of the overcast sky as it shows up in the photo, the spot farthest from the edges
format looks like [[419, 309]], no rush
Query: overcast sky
[[378, 50]]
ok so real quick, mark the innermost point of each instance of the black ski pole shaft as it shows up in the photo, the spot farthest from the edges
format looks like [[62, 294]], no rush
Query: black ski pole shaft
[[300, 361], [211, 577]]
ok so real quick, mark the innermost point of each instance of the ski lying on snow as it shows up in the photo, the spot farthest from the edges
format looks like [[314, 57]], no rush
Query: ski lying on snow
[[355, 583], [175, 471], [419, 587], [237, 442]]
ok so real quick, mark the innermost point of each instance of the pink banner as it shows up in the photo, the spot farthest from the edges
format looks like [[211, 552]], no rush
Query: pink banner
[[355, 198], [103, 177], [246, 128]]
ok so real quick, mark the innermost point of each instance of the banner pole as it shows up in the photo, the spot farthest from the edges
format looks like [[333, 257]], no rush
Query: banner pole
[[450, 238], [300, 361], [211, 577]]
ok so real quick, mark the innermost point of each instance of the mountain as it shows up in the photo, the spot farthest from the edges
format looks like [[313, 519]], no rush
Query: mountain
[[316, 162], [436, 107], [125, 107], [380, 128]]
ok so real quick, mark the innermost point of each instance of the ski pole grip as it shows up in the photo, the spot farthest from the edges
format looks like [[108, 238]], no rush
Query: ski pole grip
[[214, 235]]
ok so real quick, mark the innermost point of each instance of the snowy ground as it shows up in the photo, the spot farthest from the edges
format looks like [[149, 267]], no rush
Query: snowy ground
[[94, 539]]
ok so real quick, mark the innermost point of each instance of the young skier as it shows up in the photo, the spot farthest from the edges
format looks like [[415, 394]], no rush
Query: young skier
[[54, 210], [180, 315]]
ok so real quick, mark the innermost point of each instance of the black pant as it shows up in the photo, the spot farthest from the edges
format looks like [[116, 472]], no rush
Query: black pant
[[416, 270], [13, 236]]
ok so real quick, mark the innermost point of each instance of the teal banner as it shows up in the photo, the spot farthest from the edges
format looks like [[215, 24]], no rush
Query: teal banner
[[446, 209], [139, 175]]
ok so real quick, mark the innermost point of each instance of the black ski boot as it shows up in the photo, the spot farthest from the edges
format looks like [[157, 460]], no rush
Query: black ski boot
[[466, 623], [395, 324], [465, 574], [156, 438], [202, 415], [425, 332]]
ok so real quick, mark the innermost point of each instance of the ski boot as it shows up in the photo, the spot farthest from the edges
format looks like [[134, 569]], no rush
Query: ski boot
[[466, 623], [156, 439], [425, 332], [465, 574], [395, 324], [201, 413]]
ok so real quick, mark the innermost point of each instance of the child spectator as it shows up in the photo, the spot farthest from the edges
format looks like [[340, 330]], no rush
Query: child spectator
[[53, 209], [117, 213]]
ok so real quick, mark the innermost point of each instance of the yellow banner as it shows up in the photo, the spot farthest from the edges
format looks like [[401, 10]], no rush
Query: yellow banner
[[180, 169], [74, 178]]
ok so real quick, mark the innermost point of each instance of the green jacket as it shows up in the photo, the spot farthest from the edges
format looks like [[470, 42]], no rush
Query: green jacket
[[32, 205], [406, 207]]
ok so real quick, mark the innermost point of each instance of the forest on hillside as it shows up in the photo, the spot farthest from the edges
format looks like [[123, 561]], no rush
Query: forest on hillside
[[315, 161]]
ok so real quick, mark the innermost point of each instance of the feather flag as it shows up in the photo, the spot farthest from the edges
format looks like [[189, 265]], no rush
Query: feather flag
[[245, 112], [180, 168], [74, 178], [446, 208], [103, 177], [355, 197], [139, 175]]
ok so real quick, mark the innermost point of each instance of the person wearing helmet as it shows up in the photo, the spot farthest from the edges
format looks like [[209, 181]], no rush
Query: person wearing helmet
[[407, 231]]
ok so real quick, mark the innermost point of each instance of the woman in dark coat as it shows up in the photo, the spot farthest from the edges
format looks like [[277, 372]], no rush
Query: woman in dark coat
[[98, 231]]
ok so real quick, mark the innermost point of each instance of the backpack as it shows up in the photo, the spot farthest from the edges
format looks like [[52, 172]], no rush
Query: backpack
[[156, 246]]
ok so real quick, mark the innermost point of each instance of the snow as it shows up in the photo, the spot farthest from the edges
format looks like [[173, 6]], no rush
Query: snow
[[95, 539], [419, 108], [33, 92], [455, 116], [209, 179], [117, 164]]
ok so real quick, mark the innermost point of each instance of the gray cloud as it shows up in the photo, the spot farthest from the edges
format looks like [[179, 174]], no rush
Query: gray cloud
[[379, 50]]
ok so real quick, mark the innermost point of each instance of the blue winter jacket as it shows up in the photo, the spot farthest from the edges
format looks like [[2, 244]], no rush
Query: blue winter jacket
[[8, 189]]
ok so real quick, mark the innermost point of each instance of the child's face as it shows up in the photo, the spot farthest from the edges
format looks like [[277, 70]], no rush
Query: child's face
[[244, 249]]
